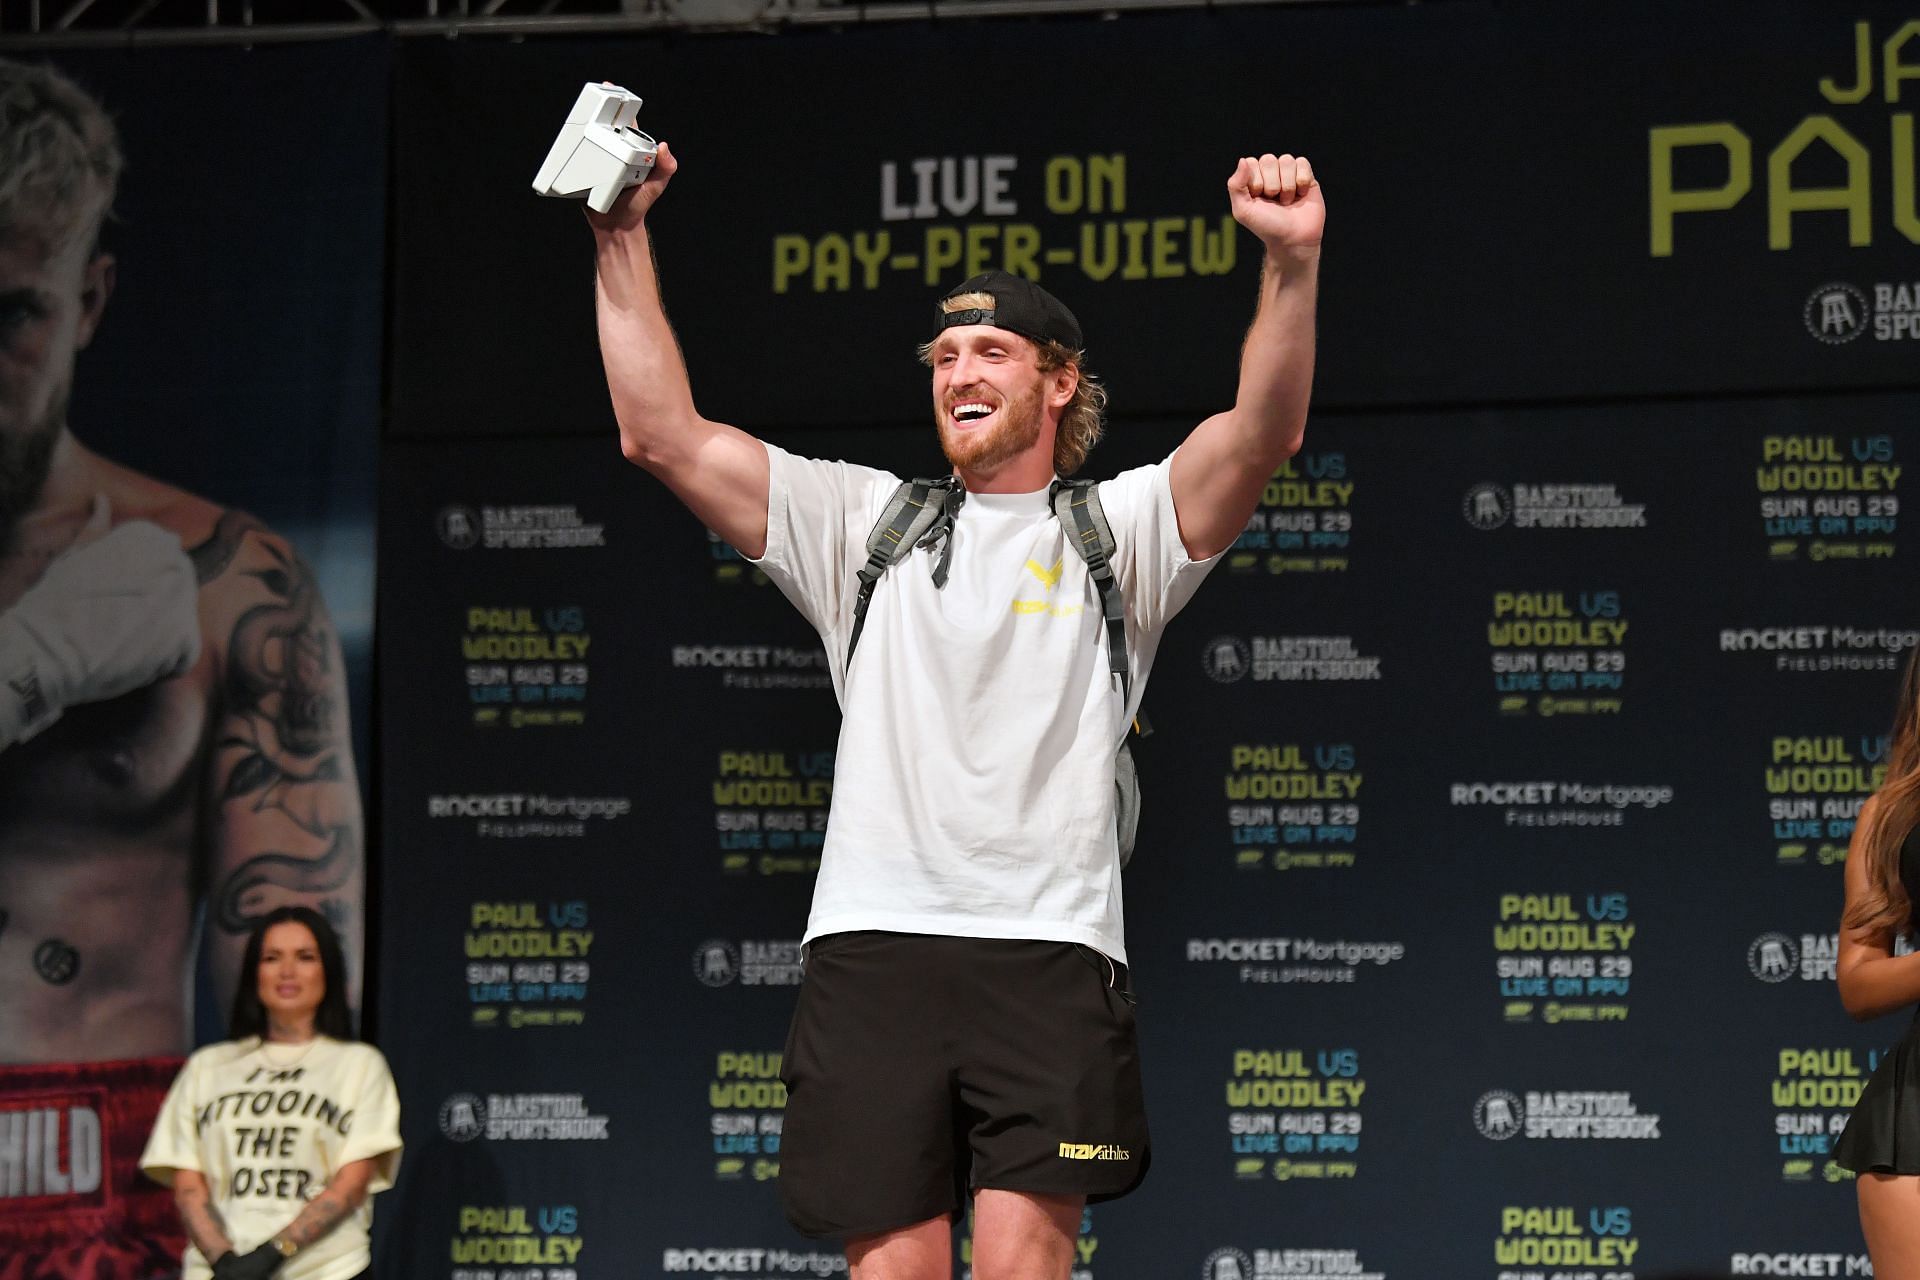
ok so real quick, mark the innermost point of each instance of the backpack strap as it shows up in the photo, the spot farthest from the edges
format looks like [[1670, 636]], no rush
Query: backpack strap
[[1076, 503], [920, 512]]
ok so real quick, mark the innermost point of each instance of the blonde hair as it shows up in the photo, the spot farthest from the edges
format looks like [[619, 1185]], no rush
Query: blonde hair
[[1083, 420], [1896, 812], [60, 157]]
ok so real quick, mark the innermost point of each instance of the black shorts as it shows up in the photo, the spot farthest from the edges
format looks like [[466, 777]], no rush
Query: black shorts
[[922, 1068]]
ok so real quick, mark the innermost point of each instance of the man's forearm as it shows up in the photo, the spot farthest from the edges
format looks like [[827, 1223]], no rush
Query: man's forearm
[[1220, 471], [1276, 361], [645, 372]]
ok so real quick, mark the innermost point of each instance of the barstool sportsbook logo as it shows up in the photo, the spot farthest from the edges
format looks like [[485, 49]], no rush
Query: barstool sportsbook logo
[[752, 962], [1230, 1263], [1498, 1115], [463, 1117], [1773, 957], [1291, 659], [1487, 506], [1563, 1116], [522, 1117], [1837, 312]]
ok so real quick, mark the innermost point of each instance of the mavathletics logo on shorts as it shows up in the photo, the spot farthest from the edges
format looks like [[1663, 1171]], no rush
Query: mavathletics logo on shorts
[[1093, 1151]]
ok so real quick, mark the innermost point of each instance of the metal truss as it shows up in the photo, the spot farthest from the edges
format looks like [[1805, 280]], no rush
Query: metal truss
[[52, 24]]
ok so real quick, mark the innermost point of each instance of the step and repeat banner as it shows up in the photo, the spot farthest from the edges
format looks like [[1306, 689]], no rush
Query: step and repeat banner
[[191, 265], [1484, 918]]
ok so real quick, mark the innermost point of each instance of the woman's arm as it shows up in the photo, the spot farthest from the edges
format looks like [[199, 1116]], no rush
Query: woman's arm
[[202, 1221], [344, 1192], [1873, 981]]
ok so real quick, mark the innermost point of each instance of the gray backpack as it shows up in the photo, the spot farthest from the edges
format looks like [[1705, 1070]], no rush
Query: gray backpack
[[920, 513]]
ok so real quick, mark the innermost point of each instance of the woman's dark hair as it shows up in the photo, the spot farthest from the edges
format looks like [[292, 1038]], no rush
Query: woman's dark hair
[[249, 1016]]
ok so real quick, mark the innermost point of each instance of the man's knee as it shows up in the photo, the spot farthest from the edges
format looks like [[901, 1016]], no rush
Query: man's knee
[[923, 1251], [1024, 1236]]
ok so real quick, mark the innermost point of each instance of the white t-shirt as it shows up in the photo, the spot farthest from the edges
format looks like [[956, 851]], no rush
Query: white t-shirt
[[973, 787], [268, 1137]]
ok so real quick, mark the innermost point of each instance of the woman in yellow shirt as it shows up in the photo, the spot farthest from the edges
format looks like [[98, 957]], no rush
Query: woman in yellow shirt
[[275, 1141]]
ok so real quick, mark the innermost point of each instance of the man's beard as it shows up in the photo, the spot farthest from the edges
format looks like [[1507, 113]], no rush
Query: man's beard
[[25, 459], [986, 452]]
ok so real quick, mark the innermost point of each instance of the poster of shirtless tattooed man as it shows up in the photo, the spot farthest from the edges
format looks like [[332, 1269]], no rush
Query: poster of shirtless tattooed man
[[175, 748]]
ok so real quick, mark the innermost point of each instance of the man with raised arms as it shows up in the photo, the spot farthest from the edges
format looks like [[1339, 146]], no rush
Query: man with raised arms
[[965, 1028], [174, 756]]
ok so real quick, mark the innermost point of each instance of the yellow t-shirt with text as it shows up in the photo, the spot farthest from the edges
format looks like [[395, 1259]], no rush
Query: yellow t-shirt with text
[[267, 1129]]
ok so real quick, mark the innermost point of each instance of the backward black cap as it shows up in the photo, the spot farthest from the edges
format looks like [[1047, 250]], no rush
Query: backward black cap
[[1019, 306]]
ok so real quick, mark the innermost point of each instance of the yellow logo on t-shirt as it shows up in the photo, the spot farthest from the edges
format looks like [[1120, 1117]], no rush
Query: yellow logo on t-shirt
[[1049, 578]]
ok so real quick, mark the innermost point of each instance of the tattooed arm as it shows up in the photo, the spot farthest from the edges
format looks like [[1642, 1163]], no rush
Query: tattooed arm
[[345, 1192], [283, 802], [197, 1214]]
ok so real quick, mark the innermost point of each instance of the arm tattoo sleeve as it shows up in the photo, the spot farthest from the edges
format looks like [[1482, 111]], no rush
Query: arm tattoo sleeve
[[266, 880], [284, 746], [322, 1214], [202, 1221]]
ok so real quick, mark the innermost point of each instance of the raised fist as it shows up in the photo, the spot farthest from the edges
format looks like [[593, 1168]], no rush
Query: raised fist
[[1277, 199]]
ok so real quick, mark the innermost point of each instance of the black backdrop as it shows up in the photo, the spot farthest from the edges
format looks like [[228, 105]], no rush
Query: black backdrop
[[1410, 872]]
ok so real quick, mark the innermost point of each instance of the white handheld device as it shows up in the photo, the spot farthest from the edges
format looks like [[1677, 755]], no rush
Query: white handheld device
[[599, 153]]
